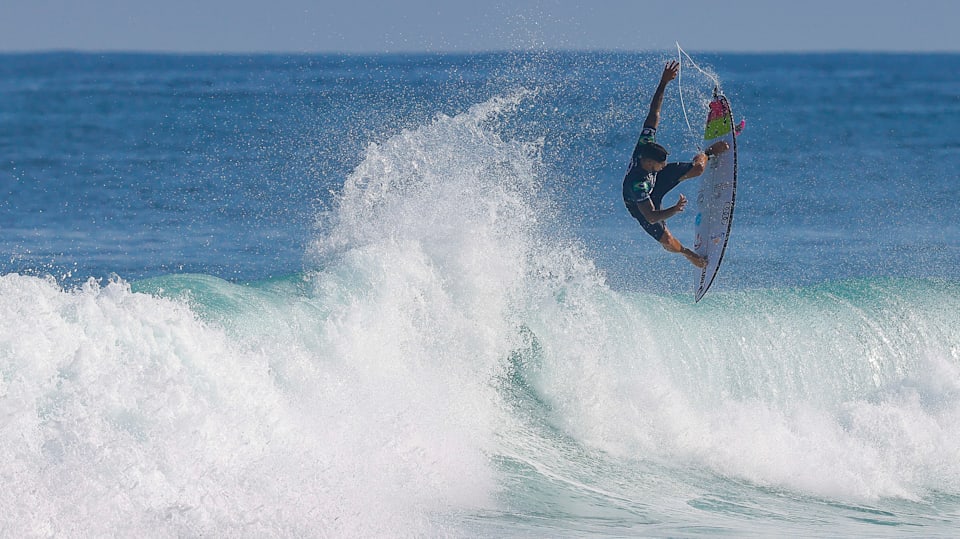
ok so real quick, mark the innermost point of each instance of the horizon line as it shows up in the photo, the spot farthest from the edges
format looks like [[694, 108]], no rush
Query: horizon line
[[457, 52]]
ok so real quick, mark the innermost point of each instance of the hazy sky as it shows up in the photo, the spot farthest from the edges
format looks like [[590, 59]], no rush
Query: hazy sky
[[456, 25]]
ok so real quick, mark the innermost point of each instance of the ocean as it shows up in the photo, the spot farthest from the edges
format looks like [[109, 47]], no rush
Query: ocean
[[399, 296]]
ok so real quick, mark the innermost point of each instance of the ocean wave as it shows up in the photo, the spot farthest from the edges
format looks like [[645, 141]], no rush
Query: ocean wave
[[452, 351]]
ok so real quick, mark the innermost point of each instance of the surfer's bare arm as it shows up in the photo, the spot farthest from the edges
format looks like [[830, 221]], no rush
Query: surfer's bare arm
[[700, 160], [653, 215], [670, 72]]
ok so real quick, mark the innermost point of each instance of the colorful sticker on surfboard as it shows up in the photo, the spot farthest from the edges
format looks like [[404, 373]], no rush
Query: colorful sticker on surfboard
[[718, 189]]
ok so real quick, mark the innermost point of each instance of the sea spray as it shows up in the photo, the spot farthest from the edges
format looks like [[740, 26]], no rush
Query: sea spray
[[761, 385], [359, 399]]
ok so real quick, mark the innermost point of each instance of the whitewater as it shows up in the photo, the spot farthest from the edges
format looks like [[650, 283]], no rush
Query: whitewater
[[453, 362]]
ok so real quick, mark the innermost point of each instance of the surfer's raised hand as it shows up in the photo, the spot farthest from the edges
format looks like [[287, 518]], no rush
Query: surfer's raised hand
[[670, 72]]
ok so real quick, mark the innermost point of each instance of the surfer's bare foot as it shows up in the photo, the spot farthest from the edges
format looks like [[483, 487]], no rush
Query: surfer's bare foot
[[696, 260]]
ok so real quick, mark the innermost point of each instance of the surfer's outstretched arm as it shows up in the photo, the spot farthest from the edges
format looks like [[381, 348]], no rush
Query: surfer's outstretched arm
[[670, 72]]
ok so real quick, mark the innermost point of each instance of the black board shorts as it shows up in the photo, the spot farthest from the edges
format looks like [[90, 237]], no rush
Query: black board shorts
[[667, 179]]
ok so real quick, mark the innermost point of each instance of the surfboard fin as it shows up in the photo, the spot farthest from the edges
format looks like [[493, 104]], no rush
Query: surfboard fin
[[739, 128]]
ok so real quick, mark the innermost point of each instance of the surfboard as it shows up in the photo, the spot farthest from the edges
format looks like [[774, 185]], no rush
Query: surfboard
[[718, 190]]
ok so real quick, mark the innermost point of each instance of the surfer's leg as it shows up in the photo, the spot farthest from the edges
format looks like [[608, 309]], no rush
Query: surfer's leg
[[673, 245]]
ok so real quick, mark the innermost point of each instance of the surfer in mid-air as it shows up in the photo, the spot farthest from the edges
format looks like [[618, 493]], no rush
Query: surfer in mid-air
[[649, 177]]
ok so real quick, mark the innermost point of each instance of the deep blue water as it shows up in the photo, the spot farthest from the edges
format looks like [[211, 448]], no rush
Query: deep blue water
[[399, 295], [144, 165]]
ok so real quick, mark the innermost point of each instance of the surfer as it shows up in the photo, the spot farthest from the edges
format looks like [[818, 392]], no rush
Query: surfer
[[649, 177]]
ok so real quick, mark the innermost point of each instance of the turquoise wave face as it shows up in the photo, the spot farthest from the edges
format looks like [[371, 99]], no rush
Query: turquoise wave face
[[339, 388]]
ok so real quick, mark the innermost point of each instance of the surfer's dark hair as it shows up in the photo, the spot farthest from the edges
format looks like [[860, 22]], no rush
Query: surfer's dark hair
[[652, 150]]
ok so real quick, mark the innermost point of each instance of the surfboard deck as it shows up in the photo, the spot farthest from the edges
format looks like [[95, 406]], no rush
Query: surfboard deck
[[718, 190]]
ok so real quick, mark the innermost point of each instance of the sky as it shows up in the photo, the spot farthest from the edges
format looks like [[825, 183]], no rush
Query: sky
[[385, 26]]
